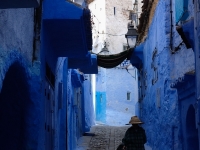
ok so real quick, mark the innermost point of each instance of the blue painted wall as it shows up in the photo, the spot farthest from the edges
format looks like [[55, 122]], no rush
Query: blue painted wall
[[66, 41], [101, 107], [160, 107], [88, 111], [197, 53], [20, 82], [80, 113], [23, 81], [112, 86], [119, 83], [61, 103], [187, 105]]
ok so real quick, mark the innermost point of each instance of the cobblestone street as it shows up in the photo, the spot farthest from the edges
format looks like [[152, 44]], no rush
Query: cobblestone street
[[106, 138]]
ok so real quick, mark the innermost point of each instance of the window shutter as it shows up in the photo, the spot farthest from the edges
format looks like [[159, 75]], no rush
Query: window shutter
[[179, 9]]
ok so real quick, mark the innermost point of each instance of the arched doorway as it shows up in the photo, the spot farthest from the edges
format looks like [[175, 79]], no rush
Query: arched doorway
[[14, 102], [191, 131]]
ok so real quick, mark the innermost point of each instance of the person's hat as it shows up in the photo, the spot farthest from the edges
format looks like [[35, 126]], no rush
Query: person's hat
[[135, 120]]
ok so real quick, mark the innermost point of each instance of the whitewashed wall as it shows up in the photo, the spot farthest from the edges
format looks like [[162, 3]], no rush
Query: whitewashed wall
[[97, 8], [116, 23]]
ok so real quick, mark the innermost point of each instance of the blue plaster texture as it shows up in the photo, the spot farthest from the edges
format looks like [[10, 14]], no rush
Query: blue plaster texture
[[77, 78], [70, 113], [80, 114], [191, 9], [21, 78], [197, 52], [187, 104], [100, 107], [159, 121], [100, 111], [119, 83], [64, 34], [88, 111], [24, 107], [61, 104], [17, 31], [115, 84]]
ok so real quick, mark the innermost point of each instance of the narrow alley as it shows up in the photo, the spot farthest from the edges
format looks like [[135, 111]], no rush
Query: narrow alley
[[103, 137], [74, 73]]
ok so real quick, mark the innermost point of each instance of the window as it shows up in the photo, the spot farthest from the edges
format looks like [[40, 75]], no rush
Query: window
[[181, 9], [128, 96]]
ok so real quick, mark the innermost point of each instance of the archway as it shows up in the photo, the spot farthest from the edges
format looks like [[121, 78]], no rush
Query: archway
[[14, 100], [191, 131]]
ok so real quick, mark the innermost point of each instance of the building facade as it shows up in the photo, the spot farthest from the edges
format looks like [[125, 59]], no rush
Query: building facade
[[46, 96], [168, 95], [116, 88]]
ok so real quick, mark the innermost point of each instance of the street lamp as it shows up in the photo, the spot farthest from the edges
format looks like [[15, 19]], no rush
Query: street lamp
[[131, 36], [104, 50]]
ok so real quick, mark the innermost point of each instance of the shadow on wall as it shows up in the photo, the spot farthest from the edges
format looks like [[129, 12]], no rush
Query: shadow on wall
[[192, 132], [14, 99]]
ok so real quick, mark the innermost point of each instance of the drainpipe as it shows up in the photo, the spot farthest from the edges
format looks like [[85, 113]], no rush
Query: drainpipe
[[171, 36]]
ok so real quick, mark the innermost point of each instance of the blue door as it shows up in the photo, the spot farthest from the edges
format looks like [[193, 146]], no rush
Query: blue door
[[101, 107]]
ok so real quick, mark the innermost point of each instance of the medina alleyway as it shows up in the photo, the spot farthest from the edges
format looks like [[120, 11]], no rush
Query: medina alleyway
[[102, 137]]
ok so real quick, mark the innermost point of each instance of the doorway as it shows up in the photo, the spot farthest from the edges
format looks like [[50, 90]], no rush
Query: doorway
[[191, 130], [14, 109]]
